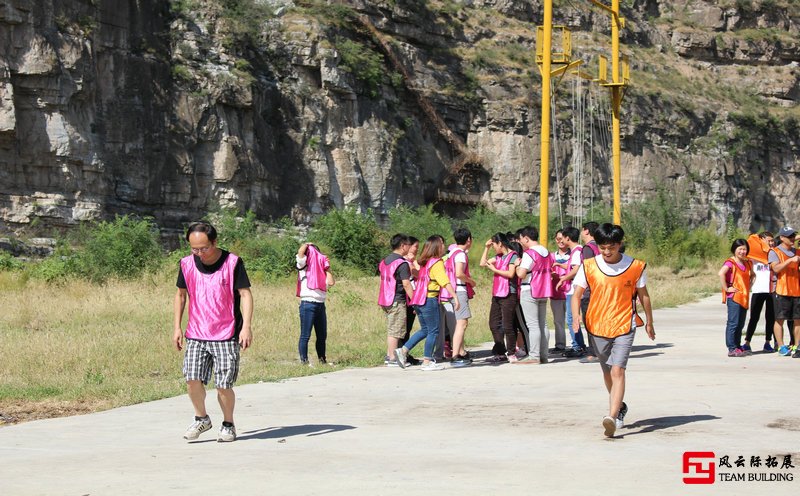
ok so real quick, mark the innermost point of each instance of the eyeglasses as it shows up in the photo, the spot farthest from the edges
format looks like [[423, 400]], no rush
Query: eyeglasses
[[198, 251]]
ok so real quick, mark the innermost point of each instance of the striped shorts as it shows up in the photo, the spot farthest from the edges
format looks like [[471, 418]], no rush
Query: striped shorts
[[202, 355]]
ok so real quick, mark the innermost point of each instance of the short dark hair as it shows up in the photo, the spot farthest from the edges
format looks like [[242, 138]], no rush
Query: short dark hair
[[412, 240], [608, 233], [739, 242], [529, 232], [572, 233], [766, 234], [461, 235], [590, 226], [202, 227], [399, 240]]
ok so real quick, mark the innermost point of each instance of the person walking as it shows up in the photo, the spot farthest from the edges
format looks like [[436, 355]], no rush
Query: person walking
[[216, 286], [616, 280], [783, 260]]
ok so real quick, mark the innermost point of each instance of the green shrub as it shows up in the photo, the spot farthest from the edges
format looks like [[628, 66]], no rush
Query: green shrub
[[233, 231], [9, 262], [123, 248], [419, 222], [58, 267], [270, 257], [362, 62], [351, 237]]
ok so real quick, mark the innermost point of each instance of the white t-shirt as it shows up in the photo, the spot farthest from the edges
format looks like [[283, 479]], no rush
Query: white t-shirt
[[610, 270], [527, 261], [763, 281], [575, 259], [306, 294], [461, 257]]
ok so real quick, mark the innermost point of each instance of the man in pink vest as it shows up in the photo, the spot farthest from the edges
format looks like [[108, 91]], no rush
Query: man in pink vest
[[220, 313], [395, 289]]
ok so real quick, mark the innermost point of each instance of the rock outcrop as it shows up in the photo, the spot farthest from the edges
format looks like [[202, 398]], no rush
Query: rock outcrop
[[169, 109]]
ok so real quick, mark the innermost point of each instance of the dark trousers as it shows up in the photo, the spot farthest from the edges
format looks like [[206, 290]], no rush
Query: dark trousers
[[312, 314], [501, 322], [757, 301]]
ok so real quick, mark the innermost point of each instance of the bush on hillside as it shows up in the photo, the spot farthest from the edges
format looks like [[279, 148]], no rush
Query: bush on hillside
[[420, 222], [124, 247], [351, 237]]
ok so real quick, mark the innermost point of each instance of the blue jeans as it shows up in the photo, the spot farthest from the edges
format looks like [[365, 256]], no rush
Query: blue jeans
[[733, 329], [428, 315], [575, 345], [312, 314]]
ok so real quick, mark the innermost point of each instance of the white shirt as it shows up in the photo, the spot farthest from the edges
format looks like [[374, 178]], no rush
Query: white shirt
[[763, 281], [610, 270], [527, 261], [461, 257], [575, 259], [306, 294]]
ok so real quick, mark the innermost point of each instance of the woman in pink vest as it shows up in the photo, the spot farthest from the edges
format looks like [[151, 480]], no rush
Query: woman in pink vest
[[432, 278], [313, 280], [504, 297]]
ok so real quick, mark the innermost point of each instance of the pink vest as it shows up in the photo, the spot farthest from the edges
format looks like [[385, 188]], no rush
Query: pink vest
[[595, 249], [421, 291], [316, 265], [541, 279], [388, 281], [211, 300], [558, 272], [500, 284], [450, 270]]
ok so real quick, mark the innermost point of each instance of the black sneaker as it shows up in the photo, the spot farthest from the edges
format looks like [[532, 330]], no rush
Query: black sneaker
[[622, 411], [573, 353], [557, 350], [461, 362], [413, 361], [796, 353]]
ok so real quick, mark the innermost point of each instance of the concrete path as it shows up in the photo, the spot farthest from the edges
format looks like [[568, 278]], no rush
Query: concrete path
[[481, 430]]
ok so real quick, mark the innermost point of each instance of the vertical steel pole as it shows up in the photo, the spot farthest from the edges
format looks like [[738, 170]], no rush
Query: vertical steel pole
[[616, 103], [544, 165]]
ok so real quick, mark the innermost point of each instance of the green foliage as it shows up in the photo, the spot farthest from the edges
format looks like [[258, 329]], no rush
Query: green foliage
[[58, 267], [9, 262], [351, 237], [243, 18], [123, 248], [366, 65], [233, 230], [181, 73], [270, 257], [419, 222]]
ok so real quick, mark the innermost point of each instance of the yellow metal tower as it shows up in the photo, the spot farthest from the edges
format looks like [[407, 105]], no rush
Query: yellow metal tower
[[546, 58]]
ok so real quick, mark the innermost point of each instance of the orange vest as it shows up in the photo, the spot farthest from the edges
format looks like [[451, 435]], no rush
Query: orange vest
[[612, 306], [788, 278], [740, 281]]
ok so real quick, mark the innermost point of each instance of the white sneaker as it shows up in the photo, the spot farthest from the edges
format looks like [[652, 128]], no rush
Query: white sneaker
[[610, 425], [619, 423], [432, 366], [198, 427], [226, 434], [400, 355]]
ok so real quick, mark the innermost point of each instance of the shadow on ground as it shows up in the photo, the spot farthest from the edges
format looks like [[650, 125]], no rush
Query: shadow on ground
[[294, 430], [659, 423]]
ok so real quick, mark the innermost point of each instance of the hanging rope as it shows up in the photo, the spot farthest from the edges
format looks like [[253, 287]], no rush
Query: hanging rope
[[554, 148]]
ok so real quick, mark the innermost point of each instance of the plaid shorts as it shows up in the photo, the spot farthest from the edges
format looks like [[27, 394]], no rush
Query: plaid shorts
[[202, 355]]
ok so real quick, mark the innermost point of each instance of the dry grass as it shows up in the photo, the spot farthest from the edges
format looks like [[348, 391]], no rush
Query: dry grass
[[78, 347]]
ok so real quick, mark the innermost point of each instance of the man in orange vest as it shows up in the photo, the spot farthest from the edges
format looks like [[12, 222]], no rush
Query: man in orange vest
[[616, 280], [783, 260]]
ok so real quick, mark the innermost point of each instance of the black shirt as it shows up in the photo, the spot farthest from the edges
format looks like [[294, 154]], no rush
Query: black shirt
[[240, 281]]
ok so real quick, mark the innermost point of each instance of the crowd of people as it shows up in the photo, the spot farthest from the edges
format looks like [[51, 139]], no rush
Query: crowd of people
[[594, 283], [762, 275]]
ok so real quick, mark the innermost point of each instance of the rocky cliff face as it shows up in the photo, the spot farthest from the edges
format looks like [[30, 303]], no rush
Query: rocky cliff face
[[170, 109]]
